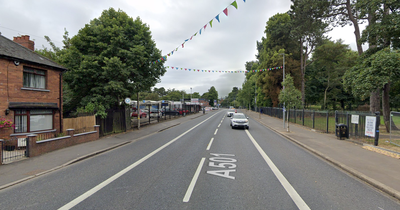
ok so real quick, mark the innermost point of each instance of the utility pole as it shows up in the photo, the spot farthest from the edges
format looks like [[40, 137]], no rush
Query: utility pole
[[283, 89]]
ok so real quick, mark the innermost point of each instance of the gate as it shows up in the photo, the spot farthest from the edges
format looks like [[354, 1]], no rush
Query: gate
[[14, 149]]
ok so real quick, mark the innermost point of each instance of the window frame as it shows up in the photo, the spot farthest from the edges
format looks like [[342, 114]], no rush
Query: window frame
[[35, 73], [28, 119]]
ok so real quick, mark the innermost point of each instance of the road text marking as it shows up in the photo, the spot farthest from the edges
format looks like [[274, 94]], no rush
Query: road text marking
[[222, 162], [193, 182], [284, 182]]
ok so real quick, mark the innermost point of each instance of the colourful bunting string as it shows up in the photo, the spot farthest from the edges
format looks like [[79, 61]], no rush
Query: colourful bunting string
[[225, 11], [207, 71], [269, 69]]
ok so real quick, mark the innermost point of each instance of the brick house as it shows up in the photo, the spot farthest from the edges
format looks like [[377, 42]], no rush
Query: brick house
[[30, 89]]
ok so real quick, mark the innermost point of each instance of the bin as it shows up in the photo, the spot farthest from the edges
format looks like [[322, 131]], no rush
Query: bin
[[342, 131]]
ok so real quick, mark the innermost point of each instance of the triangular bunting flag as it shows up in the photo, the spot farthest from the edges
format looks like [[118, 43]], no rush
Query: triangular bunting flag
[[182, 45], [191, 38], [172, 67], [217, 17], [200, 31], [211, 23], [226, 11], [205, 26], [186, 40], [234, 4]]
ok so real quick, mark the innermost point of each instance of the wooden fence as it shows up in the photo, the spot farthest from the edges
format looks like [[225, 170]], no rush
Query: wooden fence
[[79, 123]]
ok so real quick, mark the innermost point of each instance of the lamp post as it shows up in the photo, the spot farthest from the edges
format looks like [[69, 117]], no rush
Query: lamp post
[[283, 88]]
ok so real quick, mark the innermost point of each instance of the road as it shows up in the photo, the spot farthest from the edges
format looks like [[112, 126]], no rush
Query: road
[[201, 164]]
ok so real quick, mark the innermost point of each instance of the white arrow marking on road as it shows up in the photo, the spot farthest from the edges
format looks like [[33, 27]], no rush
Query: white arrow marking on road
[[193, 182], [92, 191], [284, 182]]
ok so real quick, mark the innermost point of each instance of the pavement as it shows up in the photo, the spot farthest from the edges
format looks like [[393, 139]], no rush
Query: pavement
[[364, 162]]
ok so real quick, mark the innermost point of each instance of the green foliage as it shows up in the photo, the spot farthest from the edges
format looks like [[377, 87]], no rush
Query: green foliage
[[212, 95], [290, 95], [372, 72], [110, 59]]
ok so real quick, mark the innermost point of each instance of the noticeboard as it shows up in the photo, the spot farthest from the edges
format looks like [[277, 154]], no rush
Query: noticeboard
[[370, 123]]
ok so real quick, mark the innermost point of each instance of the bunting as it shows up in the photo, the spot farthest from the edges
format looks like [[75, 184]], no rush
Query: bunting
[[225, 11], [206, 71], [269, 69]]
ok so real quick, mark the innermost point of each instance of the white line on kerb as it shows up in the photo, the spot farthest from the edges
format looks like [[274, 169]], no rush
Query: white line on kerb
[[215, 133], [193, 182], [284, 182], [87, 194], [209, 144]]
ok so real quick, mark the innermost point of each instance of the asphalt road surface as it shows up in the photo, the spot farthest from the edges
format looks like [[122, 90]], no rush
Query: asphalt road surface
[[201, 164]]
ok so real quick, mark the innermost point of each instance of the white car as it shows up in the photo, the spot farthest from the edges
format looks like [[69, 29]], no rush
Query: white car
[[239, 120], [230, 113]]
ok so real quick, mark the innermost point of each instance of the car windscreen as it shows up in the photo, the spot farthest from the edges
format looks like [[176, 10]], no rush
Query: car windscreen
[[239, 116]]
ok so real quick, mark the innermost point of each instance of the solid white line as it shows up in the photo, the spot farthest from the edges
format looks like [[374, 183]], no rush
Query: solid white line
[[193, 182], [209, 144], [215, 133], [87, 194], [284, 182]]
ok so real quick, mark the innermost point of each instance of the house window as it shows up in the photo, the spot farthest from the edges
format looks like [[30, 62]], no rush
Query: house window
[[34, 78], [33, 120]]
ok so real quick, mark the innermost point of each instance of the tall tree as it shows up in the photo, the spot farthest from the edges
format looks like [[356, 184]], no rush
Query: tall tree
[[332, 60], [308, 29], [212, 95], [110, 58]]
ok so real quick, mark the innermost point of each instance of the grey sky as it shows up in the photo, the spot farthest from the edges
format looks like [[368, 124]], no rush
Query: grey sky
[[224, 47]]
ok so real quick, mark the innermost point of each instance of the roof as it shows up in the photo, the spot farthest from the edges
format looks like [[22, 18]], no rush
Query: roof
[[12, 50]]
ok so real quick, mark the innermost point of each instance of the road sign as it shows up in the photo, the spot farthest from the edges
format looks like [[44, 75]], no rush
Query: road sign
[[127, 100]]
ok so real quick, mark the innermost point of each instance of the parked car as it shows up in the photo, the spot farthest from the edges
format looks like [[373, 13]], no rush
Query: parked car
[[141, 113], [154, 113], [182, 111], [239, 120], [167, 111]]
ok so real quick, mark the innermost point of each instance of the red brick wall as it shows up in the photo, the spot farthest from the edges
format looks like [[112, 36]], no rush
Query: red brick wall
[[11, 76], [36, 149]]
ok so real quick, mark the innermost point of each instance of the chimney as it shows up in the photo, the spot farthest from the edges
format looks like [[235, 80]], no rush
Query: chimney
[[24, 41]]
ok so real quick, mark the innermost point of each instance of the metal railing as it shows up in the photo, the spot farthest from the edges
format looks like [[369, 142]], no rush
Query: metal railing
[[395, 128]]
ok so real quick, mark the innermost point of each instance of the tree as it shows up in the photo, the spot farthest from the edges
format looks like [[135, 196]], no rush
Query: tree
[[196, 95], [290, 96], [212, 95], [308, 29], [375, 71], [332, 60], [109, 59]]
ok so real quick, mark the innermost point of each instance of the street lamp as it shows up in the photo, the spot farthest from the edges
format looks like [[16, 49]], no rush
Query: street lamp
[[190, 95], [283, 88]]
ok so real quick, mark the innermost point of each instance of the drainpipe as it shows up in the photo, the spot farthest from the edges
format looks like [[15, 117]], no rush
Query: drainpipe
[[60, 98]]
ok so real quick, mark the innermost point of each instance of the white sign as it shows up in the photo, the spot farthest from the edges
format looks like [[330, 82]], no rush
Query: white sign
[[127, 100], [355, 119], [370, 123]]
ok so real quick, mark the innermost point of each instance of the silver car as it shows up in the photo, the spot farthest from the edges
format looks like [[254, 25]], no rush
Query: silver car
[[239, 120]]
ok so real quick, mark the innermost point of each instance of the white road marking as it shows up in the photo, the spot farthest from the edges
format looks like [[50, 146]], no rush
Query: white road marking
[[209, 144], [215, 133], [219, 125], [284, 182], [193, 182], [87, 194]]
